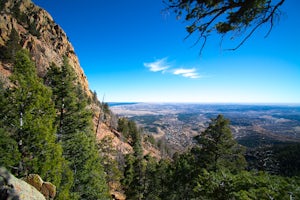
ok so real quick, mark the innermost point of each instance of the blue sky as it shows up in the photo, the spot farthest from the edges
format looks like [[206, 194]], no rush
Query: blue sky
[[131, 51]]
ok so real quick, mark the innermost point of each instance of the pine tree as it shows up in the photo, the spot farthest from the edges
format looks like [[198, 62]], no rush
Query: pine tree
[[217, 148], [12, 46], [30, 121], [75, 131], [134, 172], [9, 152], [110, 164]]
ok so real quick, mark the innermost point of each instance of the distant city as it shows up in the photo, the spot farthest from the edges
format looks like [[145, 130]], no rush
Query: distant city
[[178, 123]]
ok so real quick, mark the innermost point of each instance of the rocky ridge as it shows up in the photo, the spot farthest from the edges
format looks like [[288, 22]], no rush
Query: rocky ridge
[[45, 40]]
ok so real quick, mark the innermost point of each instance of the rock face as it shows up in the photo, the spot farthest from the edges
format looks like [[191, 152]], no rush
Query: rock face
[[46, 188], [38, 33], [13, 188]]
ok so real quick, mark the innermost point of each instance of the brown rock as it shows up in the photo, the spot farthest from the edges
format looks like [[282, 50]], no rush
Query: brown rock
[[48, 43], [48, 190], [34, 180]]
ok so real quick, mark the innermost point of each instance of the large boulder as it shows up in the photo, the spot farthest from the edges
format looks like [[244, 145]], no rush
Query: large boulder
[[46, 188], [14, 188]]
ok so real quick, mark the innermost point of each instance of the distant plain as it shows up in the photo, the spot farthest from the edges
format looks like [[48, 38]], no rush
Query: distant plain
[[178, 123]]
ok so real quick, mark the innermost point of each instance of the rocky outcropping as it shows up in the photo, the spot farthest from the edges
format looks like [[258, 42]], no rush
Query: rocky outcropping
[[13, 188], [46, 188], [38, 33]]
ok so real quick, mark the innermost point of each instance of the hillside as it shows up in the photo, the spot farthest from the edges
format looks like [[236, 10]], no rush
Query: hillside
[[23, 25], [47, 44]]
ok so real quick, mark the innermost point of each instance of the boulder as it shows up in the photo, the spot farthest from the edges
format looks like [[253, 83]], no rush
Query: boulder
[[34, 180], [14, 188], [48, 190]]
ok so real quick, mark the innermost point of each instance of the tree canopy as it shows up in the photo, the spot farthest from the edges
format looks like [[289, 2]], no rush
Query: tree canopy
[[238, 18], [75, 131], [217, 148]]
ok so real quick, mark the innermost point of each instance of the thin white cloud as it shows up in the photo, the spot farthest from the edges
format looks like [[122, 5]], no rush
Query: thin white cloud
[[161, 65], [188, 73], [158, 65]]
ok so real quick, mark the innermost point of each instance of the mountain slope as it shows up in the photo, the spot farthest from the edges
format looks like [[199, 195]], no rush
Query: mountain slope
[[45, 40]]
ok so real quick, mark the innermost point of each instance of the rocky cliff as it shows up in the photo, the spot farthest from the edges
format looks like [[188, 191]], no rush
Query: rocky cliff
[[45, 40]]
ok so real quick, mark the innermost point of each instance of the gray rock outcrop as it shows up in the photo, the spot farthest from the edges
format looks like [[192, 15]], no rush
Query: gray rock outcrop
[[12, 188]]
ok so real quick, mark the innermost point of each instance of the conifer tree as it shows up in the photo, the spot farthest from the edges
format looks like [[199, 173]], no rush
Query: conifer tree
[[12, 46], [9, 152], [75, 131], [134, 172], [110, 164], [217, 148], [30, 122]]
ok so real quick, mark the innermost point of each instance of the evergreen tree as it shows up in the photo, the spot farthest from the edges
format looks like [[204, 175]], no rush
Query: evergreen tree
[[75, 131], [184, 170], [30, 122], [9, 154], [154, 178], [245, 185], [110, 164], [217, 148], [135, 166], [12, 46], [123, 127]]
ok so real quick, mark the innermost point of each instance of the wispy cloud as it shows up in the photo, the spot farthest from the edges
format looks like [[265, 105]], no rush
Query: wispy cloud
[[158, 65], [161, 65], [189, 73]]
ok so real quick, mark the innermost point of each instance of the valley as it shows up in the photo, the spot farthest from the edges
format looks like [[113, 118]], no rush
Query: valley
[[178, 123]]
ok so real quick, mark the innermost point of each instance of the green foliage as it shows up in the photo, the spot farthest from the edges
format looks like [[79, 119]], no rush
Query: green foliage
[[107, 151], [150, 139], [136, 139], [131, 132], [288, 158], [217, 147], [21, 17], [33, 29], [238, 18], [281, 159], [183, 171], [9, 155], [63, 191], [106, 108], [123, 127], [262, 158], [75, 131], [135, 166], [11, 47], [128, 171], [28, 118], [245, 185], [160, 180]]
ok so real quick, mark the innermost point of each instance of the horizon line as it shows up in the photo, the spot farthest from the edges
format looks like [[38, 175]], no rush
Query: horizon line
[[223, 103]]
